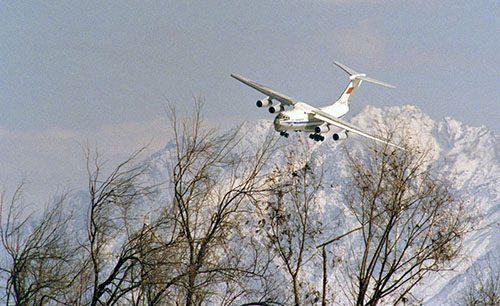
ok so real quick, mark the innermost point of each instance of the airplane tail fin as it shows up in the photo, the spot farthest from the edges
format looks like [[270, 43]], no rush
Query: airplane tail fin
[[356, 80]]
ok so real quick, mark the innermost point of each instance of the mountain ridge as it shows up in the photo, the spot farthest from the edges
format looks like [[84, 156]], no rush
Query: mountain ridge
[[470, 158]]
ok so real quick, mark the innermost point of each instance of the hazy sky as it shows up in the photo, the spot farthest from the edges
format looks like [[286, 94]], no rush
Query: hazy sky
[[102, 71]]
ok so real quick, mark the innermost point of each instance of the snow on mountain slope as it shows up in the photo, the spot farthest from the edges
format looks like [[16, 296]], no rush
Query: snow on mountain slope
[[472, 164], [471, 158]]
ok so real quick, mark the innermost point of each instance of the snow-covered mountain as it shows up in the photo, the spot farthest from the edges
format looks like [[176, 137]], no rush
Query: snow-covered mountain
[[471, 162], [471, 158]]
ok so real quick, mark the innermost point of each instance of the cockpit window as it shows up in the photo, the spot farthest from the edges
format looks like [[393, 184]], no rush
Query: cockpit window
[[283, 117]]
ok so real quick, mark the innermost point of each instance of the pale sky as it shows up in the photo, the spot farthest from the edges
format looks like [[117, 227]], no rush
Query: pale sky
[[101, 72]]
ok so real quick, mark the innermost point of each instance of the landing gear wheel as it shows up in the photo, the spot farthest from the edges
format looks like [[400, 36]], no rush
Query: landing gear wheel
[[316, 137], [284, 134]]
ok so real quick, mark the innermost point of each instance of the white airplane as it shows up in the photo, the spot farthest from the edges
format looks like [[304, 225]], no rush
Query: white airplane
[[306, 118]]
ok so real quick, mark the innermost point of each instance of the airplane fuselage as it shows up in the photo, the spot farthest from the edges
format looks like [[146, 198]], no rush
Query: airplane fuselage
[[295, 121], [301, 119]]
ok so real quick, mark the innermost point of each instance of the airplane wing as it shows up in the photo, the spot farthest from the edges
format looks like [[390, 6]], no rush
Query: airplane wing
[[267, 91], [321, 115]]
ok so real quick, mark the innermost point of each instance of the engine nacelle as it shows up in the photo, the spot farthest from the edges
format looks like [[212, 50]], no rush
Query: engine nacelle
[[324, 128], [340, 135], [264, 102], [278, 108]]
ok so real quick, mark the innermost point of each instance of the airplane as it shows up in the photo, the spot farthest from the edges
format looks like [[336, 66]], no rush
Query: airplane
[[317, 121]]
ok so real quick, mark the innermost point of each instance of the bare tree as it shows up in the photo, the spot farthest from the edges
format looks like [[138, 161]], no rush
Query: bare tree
[[483, 287], [115, 229], [38, 264], [49, 261], [189, 253], [291, 218], [410, 222], [212, 183]]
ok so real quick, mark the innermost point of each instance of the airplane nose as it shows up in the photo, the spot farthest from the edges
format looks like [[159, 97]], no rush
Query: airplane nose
[[277, 124]]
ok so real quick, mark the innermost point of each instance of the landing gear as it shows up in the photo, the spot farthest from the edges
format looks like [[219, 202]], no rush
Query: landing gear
[[316, 137], [284, 134]]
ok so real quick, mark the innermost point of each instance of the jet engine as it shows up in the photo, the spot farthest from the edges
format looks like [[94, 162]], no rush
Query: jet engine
[[340, 135], [278, 108], [264, 102], [324, 128]]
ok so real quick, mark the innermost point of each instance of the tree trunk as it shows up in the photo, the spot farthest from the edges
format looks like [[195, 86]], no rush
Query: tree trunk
[[323, 298]]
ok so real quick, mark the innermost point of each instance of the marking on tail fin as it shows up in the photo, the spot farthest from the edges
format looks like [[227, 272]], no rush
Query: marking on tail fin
[[349, 90]]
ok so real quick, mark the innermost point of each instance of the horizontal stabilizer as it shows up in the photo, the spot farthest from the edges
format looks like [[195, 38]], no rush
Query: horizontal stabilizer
[[367, 79], [361, 76], [345, 68]]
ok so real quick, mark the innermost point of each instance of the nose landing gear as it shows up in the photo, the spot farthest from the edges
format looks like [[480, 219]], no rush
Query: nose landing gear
[[284, 134]]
